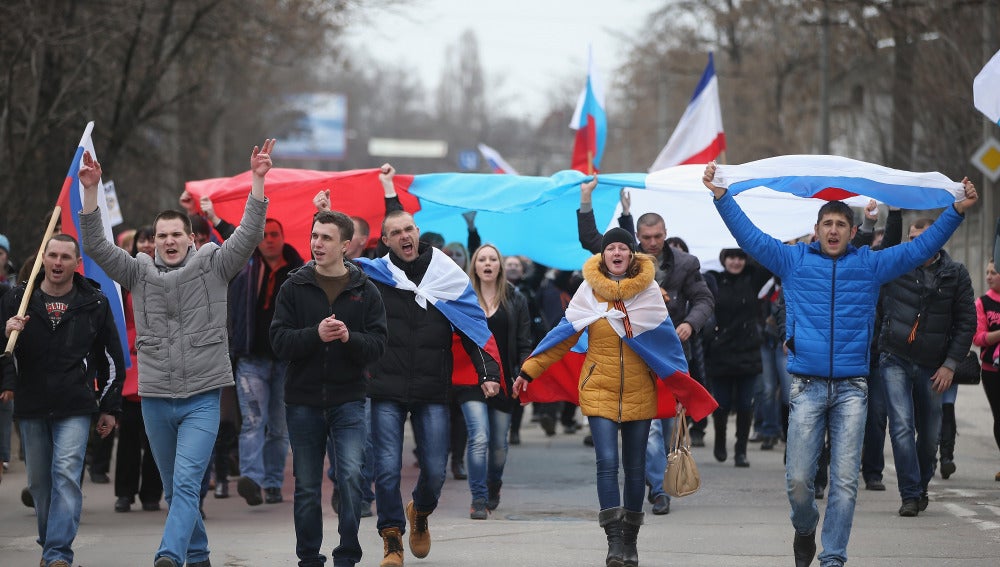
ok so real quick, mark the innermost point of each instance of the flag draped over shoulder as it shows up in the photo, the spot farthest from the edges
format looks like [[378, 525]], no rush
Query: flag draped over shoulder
[[496, 161], [835, 178], [71, 201], [447, 288], [590, 122], [647, 330], [699, 136]]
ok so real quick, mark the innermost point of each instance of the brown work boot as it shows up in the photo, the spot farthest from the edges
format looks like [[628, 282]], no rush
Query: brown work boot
[[393, 542], [420, 536]]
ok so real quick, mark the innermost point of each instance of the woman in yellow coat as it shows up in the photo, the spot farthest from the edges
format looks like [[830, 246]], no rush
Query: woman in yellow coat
[[617, 389]]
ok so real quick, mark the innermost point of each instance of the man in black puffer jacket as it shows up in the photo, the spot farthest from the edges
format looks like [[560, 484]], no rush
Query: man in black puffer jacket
[[414, 376], [329, 323], [928, 320]]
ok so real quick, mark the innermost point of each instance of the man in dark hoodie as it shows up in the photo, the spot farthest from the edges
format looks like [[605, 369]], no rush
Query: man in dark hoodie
[[260, 376], [329, 323], [67, 341]]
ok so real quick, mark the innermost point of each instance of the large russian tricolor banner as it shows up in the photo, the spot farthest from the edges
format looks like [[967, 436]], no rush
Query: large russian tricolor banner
[[536, 216], [590, 122], [71, 201], [699, 136]]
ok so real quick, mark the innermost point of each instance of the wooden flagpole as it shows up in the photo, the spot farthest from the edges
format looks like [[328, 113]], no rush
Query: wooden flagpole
[[29, 286]]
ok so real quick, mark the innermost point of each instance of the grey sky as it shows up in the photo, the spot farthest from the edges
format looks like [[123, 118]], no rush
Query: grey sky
[[530, 43]]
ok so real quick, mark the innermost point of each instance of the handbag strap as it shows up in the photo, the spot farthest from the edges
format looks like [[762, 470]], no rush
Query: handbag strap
[[680, 437]]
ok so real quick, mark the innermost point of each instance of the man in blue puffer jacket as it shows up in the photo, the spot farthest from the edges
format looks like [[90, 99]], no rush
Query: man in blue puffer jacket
[[831, 289]]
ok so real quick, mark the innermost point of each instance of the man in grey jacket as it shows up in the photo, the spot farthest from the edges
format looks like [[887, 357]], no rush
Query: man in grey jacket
[[179, 298]]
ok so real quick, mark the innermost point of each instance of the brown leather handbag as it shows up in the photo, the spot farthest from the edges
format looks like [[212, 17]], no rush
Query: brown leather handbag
[[681, 477]]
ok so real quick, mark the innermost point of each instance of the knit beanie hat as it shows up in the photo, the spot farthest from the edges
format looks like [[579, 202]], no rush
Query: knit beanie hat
[[618, 234], [4, 243]]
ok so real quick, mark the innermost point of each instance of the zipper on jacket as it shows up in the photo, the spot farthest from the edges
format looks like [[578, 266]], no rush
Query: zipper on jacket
[[833, 305], [621, 376], [589, 374]]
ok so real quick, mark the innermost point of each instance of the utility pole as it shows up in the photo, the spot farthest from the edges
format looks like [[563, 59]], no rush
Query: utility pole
[[824, 80]]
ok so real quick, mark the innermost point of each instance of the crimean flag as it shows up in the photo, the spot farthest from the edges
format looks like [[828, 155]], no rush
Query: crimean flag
[[496, 161], [699, 136], [590, 122], [71, 201]]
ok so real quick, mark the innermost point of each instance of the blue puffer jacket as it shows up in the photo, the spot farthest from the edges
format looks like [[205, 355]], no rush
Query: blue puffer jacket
[[830, 302]]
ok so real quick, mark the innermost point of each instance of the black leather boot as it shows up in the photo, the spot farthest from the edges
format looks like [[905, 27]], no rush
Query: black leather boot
[[719, 419], [744, 419], [804, 548], [630, 533], [611, 521], [948, 432]]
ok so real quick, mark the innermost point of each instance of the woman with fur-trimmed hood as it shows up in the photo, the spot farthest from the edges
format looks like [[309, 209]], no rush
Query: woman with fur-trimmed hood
[[630, 343]]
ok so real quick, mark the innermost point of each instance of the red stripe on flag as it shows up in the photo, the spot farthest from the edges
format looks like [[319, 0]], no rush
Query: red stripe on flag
[[585, 147], [711, 152], [834, 194]]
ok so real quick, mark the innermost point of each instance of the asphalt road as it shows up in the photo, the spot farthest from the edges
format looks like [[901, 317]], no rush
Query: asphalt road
[[548, 516]]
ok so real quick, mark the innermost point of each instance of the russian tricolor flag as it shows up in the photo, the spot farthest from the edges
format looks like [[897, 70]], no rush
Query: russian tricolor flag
[[71, 201], [699, 136], [590, 122], [496, 161], [447, 288]]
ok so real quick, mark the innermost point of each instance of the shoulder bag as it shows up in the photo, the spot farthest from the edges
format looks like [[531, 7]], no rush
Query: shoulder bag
[[681, 477]]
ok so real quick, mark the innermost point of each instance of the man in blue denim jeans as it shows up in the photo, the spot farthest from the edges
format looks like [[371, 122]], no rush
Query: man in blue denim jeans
[[414, 377], [329, 323], [928, 319], [260, 375], [831, 289], [67, 341], [179, 298]]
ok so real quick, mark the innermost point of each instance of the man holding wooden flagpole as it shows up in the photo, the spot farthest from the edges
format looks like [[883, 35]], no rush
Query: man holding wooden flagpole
[[179, 299]]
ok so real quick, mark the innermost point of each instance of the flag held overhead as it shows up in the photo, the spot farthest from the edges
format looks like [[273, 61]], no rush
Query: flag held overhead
[[986, 89]]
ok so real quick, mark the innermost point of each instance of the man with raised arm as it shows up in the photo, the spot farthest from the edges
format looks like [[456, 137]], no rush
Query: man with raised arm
[[179, 298]]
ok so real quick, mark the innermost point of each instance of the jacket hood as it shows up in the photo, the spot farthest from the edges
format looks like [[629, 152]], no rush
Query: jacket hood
[[626, 287]]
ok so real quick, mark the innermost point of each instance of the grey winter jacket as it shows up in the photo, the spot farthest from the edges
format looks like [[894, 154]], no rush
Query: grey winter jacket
[[180, 312]]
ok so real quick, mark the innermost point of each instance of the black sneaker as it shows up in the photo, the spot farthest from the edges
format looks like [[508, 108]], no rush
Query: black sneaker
[[923, 502], [548, 424], [697, 438], [478, 510], [26, 498], [151, 506], [661, 505], [99, 478], [250, 491], [948, 468], [875, 485], [123, 504], [910, 508], [222, 489]]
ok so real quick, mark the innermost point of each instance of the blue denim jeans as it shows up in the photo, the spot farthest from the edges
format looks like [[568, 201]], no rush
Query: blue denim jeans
[[635, 436], [367, 470], [657, 447], [53, 452], [769, 384], [431, 430], [309, 429], [487, 446], [260, 387], [819, 405], [181, 435], [914, 422], [873, 453]]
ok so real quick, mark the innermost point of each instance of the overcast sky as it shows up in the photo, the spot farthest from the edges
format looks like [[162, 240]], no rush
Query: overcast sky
[[530, 43]]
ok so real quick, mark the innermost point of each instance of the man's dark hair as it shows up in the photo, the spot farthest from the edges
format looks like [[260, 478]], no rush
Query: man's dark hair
[[141, 233], [342, 221], [199, 225], [65, 238], [391, 215], [675, 242], [171, 214], [281, 227], [650, 219], [922, 223], [836, 208], [363, 227], [432, 238]]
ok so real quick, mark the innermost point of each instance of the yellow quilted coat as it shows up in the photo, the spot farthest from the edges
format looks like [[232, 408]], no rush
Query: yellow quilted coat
[[615, 383]]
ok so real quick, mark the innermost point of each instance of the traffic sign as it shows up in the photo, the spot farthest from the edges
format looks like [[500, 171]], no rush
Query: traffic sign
[[987, 158]]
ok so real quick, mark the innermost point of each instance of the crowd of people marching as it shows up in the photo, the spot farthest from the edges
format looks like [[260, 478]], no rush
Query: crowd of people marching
[[331, 356]]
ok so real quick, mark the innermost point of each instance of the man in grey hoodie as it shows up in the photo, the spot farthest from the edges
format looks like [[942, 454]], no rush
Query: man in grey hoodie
[[180, 303]]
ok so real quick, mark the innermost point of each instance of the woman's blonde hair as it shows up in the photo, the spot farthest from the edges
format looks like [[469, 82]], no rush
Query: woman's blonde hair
[[477, 284]]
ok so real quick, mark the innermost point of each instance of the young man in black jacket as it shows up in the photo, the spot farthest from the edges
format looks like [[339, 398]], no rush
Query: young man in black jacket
[[67, 340], [329, 323]]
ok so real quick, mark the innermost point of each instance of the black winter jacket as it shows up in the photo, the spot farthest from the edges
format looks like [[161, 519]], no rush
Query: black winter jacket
[[929, 314], [324, 374], [244, 294], [56, 369], [733, 345], [417, 364]]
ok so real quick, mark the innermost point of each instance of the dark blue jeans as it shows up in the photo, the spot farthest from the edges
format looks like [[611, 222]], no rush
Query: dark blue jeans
[[431, 429], [873, 452], [308, 431], [634, 436], [914, 410]]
